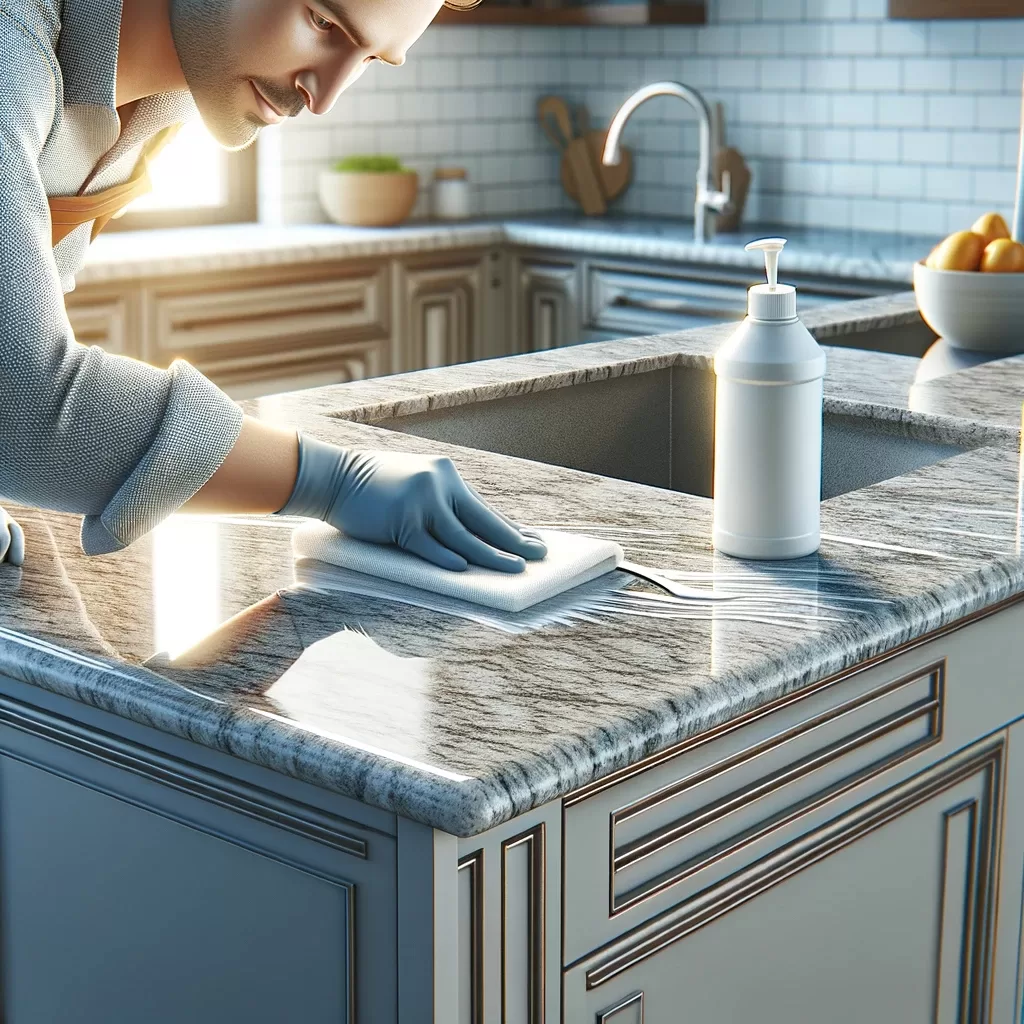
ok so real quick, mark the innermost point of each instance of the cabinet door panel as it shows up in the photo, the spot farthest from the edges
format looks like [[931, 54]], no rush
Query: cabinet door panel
[[126, 900], [547, 306], [885, 914]]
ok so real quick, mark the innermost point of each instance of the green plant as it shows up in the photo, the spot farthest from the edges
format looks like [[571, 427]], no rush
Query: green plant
[[370, 165]]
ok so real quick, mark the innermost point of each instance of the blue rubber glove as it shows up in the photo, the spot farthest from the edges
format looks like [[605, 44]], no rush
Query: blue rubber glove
[[12, 540], [417, 502]]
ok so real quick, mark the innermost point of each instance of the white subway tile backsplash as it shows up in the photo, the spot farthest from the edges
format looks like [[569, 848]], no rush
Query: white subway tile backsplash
[[877, 74], [847, 118], [979, 74], [924, 147], [852, 180], [976, 149], [903, 37], [951, 111], [902, 111], [876, 145], [855, 38], [927, 74], [1003, 37]]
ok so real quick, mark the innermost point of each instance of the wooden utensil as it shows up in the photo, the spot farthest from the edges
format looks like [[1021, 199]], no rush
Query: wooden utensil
[[614, 180], [556, 122], [730, 161]]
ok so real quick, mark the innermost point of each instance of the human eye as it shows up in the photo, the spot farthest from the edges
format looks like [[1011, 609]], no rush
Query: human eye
[[320, 23]]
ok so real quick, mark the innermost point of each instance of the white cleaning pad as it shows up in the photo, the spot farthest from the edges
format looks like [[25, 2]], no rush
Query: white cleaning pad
[[571, 561]]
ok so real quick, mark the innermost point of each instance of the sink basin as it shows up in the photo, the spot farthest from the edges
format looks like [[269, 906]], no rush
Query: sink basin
[[657, 428]]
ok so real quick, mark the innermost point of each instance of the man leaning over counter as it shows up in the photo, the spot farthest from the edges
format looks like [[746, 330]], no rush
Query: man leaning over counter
[[89, 91]]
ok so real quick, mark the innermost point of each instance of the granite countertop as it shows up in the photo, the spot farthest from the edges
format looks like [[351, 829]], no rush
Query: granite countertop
[[208, 629], [853, 255]]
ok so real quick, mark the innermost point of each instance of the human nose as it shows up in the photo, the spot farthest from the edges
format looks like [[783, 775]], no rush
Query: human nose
[[321, 88]]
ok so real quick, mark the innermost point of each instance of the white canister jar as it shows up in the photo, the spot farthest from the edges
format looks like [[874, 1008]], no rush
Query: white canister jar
[[451, 197]]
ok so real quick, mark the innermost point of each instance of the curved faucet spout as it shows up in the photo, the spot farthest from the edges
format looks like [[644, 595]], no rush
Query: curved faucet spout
[[708, 196]]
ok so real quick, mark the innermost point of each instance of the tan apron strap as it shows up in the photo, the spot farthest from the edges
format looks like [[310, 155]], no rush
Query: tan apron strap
[[70, 212]]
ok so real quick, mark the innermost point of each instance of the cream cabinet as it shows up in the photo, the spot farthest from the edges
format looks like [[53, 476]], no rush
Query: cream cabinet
[[290, 327], [445, 308], [546, 307], [851, 852]]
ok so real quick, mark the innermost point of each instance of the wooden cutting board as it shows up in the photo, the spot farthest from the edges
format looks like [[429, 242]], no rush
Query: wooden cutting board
[[613, 180], [730, 161]]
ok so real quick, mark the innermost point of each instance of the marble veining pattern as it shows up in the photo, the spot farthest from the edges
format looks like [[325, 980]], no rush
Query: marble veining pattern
[[207, 629], [864, 256]]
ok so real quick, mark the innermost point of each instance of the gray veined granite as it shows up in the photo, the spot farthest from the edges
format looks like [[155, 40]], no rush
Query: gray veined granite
[[208, 629], [855, 255]]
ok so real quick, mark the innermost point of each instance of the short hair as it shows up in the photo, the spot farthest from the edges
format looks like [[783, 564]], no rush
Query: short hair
[[461, 5]]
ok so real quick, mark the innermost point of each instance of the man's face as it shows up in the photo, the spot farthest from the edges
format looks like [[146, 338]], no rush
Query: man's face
[[250, 63]]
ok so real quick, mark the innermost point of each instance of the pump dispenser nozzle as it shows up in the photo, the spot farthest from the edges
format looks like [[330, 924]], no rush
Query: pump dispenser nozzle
[[771, 301], [771, 247]]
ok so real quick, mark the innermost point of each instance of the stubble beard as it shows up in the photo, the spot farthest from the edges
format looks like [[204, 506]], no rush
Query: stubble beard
[[201, 32]]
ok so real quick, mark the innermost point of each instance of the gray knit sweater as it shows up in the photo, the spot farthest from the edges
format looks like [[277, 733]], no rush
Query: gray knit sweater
[[118, 441]]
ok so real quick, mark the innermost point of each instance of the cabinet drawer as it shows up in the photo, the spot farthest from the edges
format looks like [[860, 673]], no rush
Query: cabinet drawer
[[622, 300], [720, 801], [646, 839], [266, 317], [631, 300]]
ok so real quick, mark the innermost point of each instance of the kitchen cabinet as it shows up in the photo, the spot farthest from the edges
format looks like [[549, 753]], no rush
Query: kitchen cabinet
[[443, 309], [138, 886], [295, 326], [928, 9], [546, 309], [853, 852]]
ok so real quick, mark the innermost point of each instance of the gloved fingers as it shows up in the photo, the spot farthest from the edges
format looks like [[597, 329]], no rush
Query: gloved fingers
[[494, 528], [431, 550], [446, 527], [16, 552], [5, 535]]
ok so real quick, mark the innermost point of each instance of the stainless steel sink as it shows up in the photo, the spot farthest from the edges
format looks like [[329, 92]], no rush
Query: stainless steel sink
[[658, 428]]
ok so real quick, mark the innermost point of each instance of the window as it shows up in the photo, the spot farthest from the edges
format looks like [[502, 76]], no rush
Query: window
[[195, 182]]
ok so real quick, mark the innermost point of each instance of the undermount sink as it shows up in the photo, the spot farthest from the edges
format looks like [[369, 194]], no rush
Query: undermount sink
[[657, 428]]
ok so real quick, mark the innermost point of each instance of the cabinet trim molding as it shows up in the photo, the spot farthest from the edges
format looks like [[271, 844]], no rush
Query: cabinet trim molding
[[926, 710], [209, 786], [535, 843], [986, 760], [473, 864], [636, 999], [608, 781]]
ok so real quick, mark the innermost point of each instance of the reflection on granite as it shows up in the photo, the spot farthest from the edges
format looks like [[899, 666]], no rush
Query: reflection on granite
[[207, 629], [854, 255]]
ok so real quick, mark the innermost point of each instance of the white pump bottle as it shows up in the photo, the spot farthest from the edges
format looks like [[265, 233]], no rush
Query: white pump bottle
[[768, 417]]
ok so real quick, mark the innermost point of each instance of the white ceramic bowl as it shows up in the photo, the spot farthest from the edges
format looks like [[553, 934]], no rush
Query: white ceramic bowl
[[368, 199], [974, 311]]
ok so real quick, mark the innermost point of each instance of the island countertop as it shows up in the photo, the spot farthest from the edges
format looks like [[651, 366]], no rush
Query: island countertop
[[209, 629]]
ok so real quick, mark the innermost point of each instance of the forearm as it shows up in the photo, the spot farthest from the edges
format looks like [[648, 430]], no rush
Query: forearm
[[258, 475]]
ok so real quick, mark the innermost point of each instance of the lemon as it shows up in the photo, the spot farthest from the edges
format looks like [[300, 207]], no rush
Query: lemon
[[961, 251], [991, 226], [1003, 256]]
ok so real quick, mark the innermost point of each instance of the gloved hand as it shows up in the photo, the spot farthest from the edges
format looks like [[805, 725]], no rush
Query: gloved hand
[[417, 502], [12, 540]]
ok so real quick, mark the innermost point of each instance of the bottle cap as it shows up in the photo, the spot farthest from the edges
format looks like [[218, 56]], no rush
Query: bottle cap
[[450, 174], [771, 301]]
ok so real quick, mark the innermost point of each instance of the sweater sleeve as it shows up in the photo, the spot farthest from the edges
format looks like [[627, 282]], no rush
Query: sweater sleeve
[[105, 436]]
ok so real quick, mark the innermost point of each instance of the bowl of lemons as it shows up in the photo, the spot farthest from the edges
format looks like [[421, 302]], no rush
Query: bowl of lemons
[[970, 290]]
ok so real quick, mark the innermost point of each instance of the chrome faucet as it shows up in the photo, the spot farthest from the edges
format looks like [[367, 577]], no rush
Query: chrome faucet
[[708, 196]]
